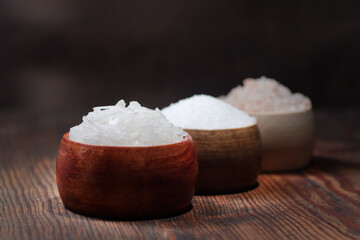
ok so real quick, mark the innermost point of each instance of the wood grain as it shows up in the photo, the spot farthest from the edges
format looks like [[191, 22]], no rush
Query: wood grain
[[287, 140], [127, 182], [229, 159], [319, 202]]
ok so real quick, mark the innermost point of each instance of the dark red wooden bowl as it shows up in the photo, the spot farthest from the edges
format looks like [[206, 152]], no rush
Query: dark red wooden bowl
[[126, 182]]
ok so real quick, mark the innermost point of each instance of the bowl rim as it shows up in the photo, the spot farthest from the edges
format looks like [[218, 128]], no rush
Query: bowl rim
[[275, 113], [187, 139], [223, 129]]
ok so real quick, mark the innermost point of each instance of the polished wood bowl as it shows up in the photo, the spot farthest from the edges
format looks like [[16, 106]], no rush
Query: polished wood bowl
[[229, 159], [126, 182], [287, 139]]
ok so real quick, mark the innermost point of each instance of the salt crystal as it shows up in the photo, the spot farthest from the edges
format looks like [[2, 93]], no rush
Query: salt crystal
[[119, 125], [207, 113], [265, 95]]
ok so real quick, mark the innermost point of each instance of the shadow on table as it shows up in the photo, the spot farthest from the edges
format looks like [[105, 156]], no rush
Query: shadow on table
[[235, 191], [186, 210], [328, 164]]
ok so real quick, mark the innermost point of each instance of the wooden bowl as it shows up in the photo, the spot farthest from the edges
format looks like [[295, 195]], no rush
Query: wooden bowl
[[287, 140], [229, 159], [126, 182]]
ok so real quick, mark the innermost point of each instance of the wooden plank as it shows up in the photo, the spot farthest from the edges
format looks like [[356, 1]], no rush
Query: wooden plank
[[319, 202]]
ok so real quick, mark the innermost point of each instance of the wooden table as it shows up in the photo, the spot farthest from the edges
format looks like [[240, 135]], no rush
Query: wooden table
[[319, 202]]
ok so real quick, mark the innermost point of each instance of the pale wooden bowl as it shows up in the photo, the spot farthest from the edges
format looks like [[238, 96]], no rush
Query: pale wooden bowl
[[126, 182], [287, 140], [229, 159]]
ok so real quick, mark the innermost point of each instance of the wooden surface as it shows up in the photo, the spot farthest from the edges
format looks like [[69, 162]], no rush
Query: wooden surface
[[288, 140], [229, 159], [319, 202], [126, 182]]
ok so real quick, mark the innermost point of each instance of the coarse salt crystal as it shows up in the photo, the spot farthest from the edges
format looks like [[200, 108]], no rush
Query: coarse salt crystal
[[265, 95], [119, 125]]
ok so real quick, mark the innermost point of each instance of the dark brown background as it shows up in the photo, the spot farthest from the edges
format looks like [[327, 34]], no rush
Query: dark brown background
[[70, 55]]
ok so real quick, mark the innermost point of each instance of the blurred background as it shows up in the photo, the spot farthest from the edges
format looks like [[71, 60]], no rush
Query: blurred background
[[71, 55]]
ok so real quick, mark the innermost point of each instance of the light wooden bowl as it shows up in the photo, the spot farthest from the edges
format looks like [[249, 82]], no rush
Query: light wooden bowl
[[229, 159], [287, 140], [126, 182]]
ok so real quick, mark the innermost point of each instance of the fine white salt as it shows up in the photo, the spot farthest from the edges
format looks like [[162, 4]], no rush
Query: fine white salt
[[126, 126], [206, 113], [265, 95]]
